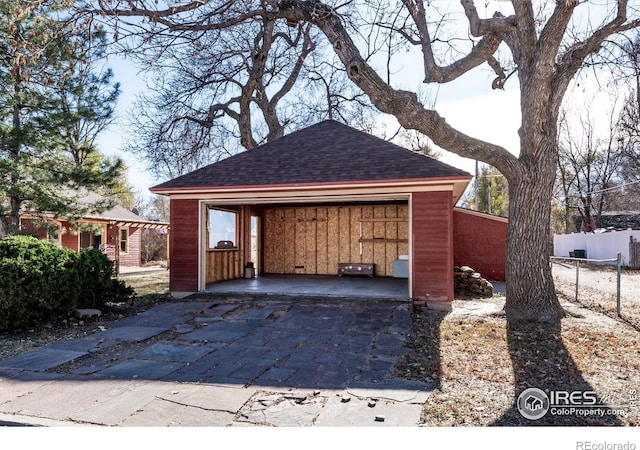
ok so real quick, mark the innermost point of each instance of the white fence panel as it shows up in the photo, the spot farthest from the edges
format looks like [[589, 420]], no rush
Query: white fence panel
[[565, 243], [596, 245]]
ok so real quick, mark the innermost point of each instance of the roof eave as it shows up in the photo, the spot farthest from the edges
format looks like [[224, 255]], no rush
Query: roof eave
[[316, 191], [310, 186]]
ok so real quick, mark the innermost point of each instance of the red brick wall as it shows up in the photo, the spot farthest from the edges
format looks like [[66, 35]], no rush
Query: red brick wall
[[183, 244], [432, 251], [480, 242]]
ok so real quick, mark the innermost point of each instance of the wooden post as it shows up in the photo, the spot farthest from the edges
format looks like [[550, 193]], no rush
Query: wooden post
[[634, 253], [168, 253], [117, 250], [619, 272]]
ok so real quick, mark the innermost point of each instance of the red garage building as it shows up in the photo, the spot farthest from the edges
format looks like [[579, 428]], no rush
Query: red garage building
[[317, 199]]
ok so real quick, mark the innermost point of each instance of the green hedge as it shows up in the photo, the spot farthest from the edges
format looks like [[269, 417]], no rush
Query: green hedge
[[39, 280]]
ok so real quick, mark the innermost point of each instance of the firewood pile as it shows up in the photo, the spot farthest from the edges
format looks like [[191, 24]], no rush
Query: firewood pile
[[469, 283]]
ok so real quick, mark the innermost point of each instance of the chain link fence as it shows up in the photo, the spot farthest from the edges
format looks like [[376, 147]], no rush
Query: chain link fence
[[602, 285]]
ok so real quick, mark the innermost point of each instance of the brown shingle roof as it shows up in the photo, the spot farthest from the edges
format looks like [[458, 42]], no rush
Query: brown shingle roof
[[328, 152], [117, 213]]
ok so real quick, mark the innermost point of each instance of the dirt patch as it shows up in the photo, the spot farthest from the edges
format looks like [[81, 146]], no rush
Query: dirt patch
[[597, 289]]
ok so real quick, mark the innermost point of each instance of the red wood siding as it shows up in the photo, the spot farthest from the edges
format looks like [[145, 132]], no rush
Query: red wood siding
[[31, 225], [70, 238], [132, 257], [184, 245], [432, 248], [110, 243], [481, 243]]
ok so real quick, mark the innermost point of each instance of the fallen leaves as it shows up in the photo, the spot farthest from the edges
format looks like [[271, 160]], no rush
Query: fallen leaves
[[482, 365]]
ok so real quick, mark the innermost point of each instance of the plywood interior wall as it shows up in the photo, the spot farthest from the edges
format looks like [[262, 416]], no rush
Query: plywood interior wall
[[314, 239]]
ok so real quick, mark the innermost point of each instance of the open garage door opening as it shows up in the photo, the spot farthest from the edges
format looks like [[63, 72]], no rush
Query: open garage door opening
[[358, 249]]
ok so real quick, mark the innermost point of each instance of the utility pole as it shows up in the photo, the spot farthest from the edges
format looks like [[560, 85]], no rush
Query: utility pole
[[476, 186], [488, 194]]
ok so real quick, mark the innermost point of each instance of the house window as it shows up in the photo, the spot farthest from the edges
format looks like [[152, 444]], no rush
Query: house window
[[91, 236], [222, 229], [53, 233], [124, 240]]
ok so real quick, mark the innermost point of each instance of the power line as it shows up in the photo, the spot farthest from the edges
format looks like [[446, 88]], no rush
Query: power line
[[600, 191]]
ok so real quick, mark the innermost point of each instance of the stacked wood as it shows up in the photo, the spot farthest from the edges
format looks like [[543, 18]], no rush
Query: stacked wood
[[469, 283]]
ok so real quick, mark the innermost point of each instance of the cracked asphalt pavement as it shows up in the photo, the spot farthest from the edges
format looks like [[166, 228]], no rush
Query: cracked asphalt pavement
[[206, 361]]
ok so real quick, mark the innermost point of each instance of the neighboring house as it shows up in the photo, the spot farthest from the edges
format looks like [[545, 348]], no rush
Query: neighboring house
[[115, 231], [318, 197], [618, 220]]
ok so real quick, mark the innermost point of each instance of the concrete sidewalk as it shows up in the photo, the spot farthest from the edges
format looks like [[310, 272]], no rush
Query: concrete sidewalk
[[208, 361]]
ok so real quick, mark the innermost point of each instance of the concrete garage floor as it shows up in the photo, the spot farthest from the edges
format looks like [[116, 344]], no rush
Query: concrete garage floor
[[321, 285]]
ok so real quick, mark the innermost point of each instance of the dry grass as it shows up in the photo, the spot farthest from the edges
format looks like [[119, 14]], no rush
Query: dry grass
[[481, 364], [597, 289], [153, 284]]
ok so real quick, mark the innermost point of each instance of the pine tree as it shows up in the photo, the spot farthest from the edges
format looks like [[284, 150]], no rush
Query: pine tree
[[52, 105]]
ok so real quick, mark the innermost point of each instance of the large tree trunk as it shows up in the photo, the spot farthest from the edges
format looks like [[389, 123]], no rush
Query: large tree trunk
[[530, 290], [4, 227]]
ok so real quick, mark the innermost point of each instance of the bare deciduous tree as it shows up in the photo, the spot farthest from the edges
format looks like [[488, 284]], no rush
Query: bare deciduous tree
[[589, 164], [630, 130], [542, 44], [215, 92]]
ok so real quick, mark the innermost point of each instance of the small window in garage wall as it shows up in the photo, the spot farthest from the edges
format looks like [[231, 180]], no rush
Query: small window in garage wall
[[124, 240], [222, 227]]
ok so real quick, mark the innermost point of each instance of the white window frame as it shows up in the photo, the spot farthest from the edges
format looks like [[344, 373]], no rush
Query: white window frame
[[126, 241], [213, 242]]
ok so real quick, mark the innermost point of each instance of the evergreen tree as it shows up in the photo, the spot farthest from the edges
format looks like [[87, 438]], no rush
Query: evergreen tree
[[493, 192], [52, 105]]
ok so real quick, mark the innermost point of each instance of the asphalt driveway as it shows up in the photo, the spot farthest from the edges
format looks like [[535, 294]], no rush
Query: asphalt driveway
[[224, 361]]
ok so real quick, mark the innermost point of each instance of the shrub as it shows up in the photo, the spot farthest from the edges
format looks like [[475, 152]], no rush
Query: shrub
[[39, 280], [96, 283]]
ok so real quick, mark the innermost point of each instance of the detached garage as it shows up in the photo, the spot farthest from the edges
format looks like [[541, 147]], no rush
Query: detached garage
[[320, 201]]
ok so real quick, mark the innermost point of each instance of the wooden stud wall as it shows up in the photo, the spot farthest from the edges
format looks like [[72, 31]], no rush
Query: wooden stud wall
[[313, 240], [223, 265]]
